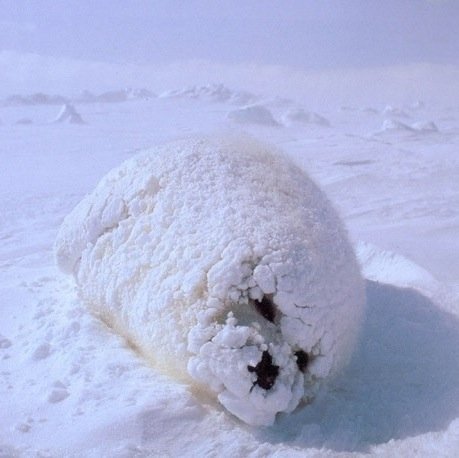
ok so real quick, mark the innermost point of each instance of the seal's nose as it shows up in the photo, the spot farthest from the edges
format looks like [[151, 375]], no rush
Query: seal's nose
[[302, 360], [266, 371]]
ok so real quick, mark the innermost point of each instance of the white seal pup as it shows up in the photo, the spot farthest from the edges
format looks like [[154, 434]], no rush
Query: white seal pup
[[225, 265]]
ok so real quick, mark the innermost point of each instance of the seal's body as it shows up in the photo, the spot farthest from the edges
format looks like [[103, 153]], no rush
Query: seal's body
[[225, 265]]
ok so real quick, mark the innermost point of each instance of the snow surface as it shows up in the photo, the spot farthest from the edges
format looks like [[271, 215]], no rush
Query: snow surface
[[72, 387], [186, 248]]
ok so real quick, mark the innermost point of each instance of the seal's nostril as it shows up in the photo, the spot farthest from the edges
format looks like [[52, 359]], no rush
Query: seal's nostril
[[266, 371], [302, 359], [266, 308]]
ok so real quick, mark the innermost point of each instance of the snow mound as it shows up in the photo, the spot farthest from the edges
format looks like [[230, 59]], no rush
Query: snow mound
[[113, 96], [393, 126], [302, 116], [418, 105], [217, 93], [116, 96], [24, 121], [212, 93], [392, 268], [226, 266], [253, 114], [38, 98], [243, 98], [369, 110], [425, 126], [396, 112], [69, 114], [141, 93]]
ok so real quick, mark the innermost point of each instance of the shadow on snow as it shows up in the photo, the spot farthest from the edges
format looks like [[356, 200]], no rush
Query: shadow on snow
[[403, 379]]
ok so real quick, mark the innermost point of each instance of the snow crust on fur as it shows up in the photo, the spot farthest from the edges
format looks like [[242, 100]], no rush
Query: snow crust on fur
[[176, 248]]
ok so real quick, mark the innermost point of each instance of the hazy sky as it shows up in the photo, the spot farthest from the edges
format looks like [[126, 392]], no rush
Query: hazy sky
[[302, 33]]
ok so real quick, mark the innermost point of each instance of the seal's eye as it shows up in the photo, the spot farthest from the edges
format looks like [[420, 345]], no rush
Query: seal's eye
[[266, 371], [266, 308], [302, 359]]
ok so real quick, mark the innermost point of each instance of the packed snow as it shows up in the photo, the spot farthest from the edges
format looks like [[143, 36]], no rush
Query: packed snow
[[72, 386]]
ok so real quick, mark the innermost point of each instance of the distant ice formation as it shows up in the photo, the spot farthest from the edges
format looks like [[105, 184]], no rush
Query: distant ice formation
[[301, 116], [116, 96], [243, 98], [369, 110], [212, 93], [69, 114], [225, 265], [418, 105], [253, 114], [38, 98], [425, 126], [393, 125], [217, 93], [395, 112], [422, 127]]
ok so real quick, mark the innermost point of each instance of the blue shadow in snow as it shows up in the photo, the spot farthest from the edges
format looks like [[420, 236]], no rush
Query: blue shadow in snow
[[403, 379]]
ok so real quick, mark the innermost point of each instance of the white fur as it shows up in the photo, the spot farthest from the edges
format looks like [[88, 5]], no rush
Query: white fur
[[174, 247]]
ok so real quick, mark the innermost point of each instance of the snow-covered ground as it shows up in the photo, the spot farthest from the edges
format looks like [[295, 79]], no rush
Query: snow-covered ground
[[69, 386]]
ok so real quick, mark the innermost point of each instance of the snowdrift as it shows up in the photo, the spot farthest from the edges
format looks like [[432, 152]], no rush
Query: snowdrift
[[38, 98], [395, 112], [391, 126], [217, 93], [69, 114], [24, 121], [301, 116], [253, 114], [225, 266], [116, 96]]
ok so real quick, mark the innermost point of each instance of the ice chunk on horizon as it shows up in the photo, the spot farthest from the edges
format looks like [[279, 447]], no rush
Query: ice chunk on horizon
[[425, 126], [421, 127], [253, 114], [395, 112], [216, 93], [69, 114], [301, 116]]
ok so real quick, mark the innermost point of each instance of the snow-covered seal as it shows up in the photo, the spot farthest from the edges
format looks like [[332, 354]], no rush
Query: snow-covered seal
[[225, 265]]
